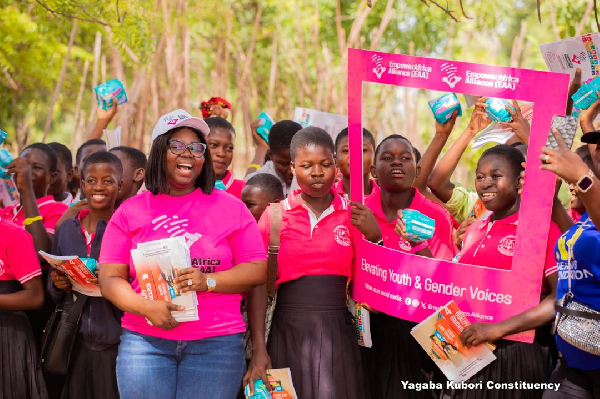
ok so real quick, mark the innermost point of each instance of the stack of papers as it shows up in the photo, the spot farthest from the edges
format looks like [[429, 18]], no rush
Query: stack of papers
[[156, 264]]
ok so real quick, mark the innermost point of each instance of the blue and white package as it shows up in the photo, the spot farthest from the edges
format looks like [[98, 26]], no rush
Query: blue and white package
[[5, 160], [418, 226], [3, 136], [260, 390], [109, 90], [264, 129], [443, 107], [91, 264], [586, 95], [497, 111]]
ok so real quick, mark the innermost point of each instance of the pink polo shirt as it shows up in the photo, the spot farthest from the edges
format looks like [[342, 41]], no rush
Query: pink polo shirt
[[492, 244], [220, 233], [50, 211], [18, 260], [441, 244], [309, 245], [339, 188], [233, 186]]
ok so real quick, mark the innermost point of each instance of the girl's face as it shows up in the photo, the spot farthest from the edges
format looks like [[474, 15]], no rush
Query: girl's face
[[183, 169], [342, 157], [496, 183], [314, 168], [101, 185], [395, 166], [220, 144], [41, 176]]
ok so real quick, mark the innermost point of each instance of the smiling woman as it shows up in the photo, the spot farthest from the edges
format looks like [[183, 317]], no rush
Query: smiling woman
[[181, 181]]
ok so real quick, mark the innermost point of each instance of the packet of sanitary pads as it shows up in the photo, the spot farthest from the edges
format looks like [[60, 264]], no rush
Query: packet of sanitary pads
[[443, 107], [497, 111], [109, 90], [418, 226], [586, 95]]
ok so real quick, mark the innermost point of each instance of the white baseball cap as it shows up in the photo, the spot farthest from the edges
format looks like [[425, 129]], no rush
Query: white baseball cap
[[178, 118]]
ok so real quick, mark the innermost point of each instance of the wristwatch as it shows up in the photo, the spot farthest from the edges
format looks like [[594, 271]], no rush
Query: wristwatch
[[211, 283], [586, 182]]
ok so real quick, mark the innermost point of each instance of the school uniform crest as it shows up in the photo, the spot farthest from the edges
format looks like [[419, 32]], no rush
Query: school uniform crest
[[404, 245], [507, 245], [342, 235]]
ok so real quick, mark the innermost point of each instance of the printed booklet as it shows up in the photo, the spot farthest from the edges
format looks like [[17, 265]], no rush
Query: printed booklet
[[362, 322], [281, 382], [77, 272], [156, 263], [438, 336]]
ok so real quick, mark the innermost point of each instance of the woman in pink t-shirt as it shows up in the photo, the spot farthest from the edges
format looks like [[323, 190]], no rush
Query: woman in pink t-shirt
[[159, 357], [490, 242], [20, 289], [312, 331], [394, 356]]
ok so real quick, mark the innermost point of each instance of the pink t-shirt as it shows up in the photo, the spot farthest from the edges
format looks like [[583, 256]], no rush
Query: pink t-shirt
[[309, 245], [220, 233], [50, 211], [233, 186], [18, 260], [492, 244], [441, 244]]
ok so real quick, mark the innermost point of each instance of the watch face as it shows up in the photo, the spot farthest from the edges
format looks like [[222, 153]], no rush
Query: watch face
[[585, 183], [210, 282]]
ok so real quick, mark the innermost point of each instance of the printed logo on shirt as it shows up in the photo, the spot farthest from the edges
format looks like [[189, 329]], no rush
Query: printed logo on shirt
[[507, 245], [206, 265], [342, 235], [2, 271], [175, 227], [404, 245]]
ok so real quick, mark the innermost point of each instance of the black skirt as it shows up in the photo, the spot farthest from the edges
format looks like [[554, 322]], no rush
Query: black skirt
[[20, 374], [92, 374], [397, 357], [314, 335], [516, 361]]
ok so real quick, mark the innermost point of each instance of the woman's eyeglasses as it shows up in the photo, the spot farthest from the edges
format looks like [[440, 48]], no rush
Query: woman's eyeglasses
[[178, 147]]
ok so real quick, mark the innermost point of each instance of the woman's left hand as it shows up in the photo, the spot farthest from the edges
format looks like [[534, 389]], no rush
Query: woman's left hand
[[480, 333], [365, 221], [401, 229], [257, 369], [191, 279], [563, 162]]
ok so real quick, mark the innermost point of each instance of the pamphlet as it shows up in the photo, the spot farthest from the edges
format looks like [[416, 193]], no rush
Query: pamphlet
[[112, 138], [281, 382], [331, 123], [156, 264], [362, 322], [576, 52], [438, 336], [8, 192], [77, 272]]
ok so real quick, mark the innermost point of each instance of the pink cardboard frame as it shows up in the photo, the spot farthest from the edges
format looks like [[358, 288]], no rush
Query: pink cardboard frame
[[489, 295]]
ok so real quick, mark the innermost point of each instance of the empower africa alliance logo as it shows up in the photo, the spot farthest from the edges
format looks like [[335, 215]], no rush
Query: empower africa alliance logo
[[378, 68], [451, 79]]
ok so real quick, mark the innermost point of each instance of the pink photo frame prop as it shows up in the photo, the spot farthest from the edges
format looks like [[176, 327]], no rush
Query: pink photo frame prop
[[420, 285]]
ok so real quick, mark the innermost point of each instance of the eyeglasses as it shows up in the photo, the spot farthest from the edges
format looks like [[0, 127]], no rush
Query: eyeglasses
[[178, 147]]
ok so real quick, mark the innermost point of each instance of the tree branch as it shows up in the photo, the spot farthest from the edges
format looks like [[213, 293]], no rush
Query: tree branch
[[444, 9], [62, 14], [462, 8]]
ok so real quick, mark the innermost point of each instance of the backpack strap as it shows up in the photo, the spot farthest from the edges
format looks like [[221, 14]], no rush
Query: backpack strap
[[274, 241]]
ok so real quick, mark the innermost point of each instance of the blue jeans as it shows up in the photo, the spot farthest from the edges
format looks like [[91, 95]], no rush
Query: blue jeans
[[150, 367]]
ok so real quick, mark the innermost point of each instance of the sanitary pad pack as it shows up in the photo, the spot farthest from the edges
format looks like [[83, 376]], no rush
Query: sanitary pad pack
[[497, 111], [418, 226], [109, 90], [586, 95], [443, 107]]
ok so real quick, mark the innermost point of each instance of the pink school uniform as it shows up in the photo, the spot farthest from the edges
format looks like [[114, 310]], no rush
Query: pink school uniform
[[220, 233], [18, 259], [233, 186], [492, 244], [50, 211], [311, 246], [441, 244]]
